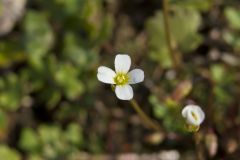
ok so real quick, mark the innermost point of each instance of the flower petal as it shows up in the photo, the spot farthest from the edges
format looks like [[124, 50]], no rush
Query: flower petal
[[193, 114], [124, 92], [191, 119], [122, 63], [106, 75], [184, 111], [200, 113], [136, 76]]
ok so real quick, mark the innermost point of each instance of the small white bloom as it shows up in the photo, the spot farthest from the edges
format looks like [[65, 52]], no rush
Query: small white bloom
[[193, 115], [121, 77]]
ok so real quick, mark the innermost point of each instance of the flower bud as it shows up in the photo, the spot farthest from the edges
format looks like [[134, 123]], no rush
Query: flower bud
[[194, 116]]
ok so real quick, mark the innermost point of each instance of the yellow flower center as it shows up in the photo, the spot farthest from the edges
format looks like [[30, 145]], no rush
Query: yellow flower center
[[121, 78]]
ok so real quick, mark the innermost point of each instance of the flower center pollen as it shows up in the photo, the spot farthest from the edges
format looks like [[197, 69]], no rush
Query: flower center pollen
[[121, 79]]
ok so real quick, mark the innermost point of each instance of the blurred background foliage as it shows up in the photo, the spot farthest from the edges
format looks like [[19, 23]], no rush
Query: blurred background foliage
[[52, 107]]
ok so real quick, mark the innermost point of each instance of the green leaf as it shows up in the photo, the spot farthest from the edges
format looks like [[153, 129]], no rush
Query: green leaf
[[202, 5], [91, 13], [225, 79], [218, 73], [7, 153], [66, 77], [49, 134], [70, 6], [184, 34], [35, 157], [10, 53], [106, 29], [11, 92], [159, 110], [3, 120], [74, 134], [223, 96], [29, 140], [233, 17], [38, 36], [232, 38], [51, 139], [72, 50]]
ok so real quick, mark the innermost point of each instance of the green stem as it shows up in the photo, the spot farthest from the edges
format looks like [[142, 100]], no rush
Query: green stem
[[168, 35], [148, 122], [199, 149]]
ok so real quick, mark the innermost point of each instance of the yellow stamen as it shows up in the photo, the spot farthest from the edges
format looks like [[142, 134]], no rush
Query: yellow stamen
[[194, 116], [121, 78]]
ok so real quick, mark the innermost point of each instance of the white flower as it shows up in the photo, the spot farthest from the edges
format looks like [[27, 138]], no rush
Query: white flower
[[193, 115], [121, 77]]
